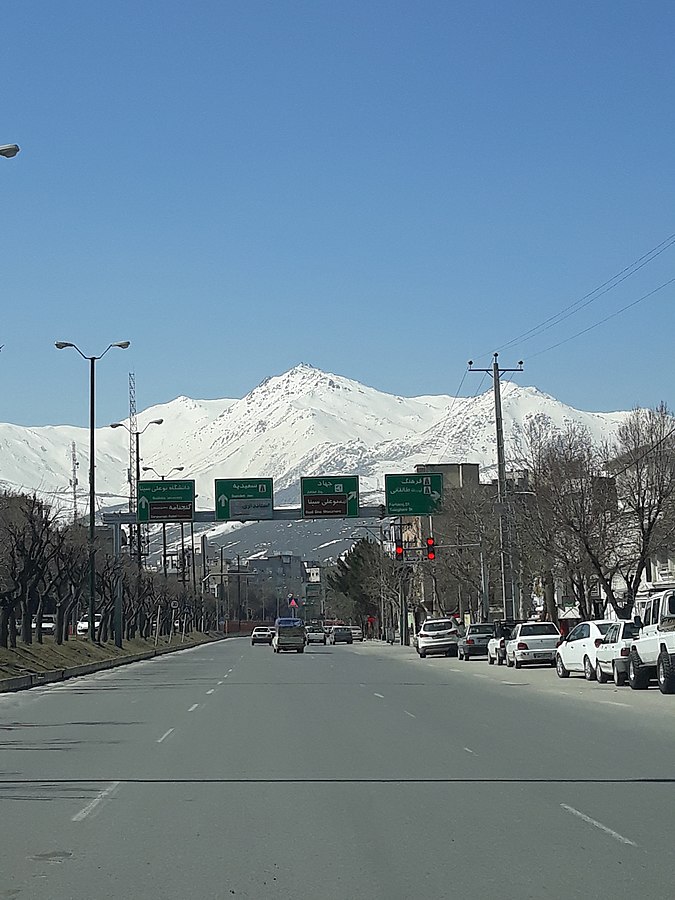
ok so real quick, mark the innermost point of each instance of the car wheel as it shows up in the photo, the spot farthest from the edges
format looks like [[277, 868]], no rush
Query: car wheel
[[638, 678], [561, 671], [665, 674], [618, 677], [517, 663], [589, 671], [422, 654], [600, 676]]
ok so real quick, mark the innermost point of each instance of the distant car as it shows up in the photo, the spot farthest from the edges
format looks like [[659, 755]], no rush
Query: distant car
[[262, 635], [475, 641], [611, 657], [316, 635], [48, 624], [437, 636], [357, 633], [83, 624], [496, 649], [341, 634], [577, 653], [532, 642]]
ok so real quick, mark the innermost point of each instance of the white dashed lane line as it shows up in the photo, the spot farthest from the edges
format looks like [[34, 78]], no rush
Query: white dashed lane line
[[409, 714], [210, 692], [381, 696], [599, 825], [96, 802], [164, 736], [193, 707]]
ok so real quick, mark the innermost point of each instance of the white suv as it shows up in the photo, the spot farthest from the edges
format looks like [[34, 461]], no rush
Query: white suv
[[437, 636]]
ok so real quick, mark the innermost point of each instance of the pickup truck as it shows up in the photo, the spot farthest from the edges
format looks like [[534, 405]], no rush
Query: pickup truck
[[652, 652]]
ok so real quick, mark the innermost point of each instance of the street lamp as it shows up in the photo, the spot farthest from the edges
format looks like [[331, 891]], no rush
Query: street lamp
[[136, 435], [9, 150], [162, 477], [61, 345]]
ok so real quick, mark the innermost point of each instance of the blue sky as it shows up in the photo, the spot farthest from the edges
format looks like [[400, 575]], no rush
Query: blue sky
[[381, 189]]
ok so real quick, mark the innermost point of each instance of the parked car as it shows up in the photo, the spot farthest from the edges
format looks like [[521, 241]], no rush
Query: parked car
[[532, 642], [437, 636], [341, 634], [577, 652], [316, 635], [611, 657], [262, 635], [48, 624], [496, 648], [357, 633], [83, 624], [475, 641], [652, 652]]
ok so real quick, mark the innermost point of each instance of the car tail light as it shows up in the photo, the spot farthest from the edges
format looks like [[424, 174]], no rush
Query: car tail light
[[502, 644], [470, 641], [598, 641], [522, 646], [625, 651]]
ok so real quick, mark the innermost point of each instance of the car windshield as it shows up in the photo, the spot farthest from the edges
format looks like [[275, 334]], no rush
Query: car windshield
[[538, 628], [441, 625], [480, 629], [603, 627]]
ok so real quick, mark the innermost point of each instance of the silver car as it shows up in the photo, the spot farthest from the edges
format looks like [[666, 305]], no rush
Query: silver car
[[437, 636], [611, 656]]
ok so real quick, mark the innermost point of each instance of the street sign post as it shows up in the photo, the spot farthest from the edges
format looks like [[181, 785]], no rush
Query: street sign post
[[166, 501], [244, 499], [329, 497], [418, 494]]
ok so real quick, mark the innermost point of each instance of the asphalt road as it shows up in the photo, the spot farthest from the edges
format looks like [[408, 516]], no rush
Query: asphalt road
[[345, 772]]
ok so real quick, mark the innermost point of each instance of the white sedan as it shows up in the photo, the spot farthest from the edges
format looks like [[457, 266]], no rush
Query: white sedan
[[578, 652], [532, 642], [611, 657]]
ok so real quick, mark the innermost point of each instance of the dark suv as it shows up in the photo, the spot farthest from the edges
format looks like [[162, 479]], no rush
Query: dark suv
[[475, 641]]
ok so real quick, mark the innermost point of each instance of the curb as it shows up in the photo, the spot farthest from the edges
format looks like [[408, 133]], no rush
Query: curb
[[35, 679]]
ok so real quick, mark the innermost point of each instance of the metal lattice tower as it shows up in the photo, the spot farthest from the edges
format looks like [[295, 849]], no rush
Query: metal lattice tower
[[73, 478], [133, 428]]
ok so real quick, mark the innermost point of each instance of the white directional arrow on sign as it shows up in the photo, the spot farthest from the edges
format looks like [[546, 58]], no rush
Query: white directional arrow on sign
[[435, 495], [222, 501], [351, 496], [143, 503]]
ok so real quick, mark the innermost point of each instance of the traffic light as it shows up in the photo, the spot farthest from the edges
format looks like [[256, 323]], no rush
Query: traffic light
[[431, 548], [399, 550]]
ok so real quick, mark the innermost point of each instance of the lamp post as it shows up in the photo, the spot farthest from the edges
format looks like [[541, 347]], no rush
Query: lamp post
[[61, 345], [163, 477], [136, 435], [9, 150]]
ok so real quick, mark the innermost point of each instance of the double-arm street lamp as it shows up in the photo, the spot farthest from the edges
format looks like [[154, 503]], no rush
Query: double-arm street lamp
[[136, 435], [163, 477], [122, 345]]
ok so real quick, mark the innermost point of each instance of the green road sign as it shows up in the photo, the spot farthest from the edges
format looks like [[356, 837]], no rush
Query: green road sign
[[243, 499], [166, 501], [328, 497], [419, 494]]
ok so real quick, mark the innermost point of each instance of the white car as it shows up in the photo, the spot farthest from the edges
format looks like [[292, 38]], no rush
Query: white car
[[262, 635], [611, 657], [357, 633], [437, 636], [496, 649], [83, 624], [578, 651], [48, 624], [532, 642], [316, 635]]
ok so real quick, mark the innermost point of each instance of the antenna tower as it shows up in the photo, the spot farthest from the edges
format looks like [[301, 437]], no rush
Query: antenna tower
[[73, 478]]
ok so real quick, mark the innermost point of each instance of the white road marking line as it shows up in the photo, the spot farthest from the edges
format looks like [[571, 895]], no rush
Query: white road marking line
[[381, 696], [361, 685], [409, 714], [516, 683], [98, 799], [225, 676], [596, 824], [211, 691], [613, 703], [229, 670], [193, 707], [468, 750], [220, 682], [164, 736], [479, 675]]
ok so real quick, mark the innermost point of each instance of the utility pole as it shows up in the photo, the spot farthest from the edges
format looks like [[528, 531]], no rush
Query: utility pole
[[73, 478], [505, 555]]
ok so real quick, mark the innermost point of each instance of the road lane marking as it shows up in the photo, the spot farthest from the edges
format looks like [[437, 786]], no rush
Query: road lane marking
[[479, 675], [596, 824], [164, 736], [210, 692], [220, 682], [381, 696], [613, 703], [514, 683], [193, 707], [98, 799], [468, 750], [409, 714]]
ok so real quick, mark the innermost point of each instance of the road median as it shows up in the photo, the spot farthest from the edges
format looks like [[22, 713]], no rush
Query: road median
[[32, 665]]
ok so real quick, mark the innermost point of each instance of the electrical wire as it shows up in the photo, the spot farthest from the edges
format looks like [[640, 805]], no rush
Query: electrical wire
[[449, 413], [589, 297], [606, 319]]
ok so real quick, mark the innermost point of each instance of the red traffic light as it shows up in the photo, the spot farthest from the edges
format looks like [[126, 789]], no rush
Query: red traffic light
[[431, 548], [399, 551]]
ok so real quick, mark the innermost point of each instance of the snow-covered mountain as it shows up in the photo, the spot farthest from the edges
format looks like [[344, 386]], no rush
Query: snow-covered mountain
[[303, 422]]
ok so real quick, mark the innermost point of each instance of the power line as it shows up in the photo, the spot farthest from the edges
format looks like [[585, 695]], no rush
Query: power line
[[606, 319]]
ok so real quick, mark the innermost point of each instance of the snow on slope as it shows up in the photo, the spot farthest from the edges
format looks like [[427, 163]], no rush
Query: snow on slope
[[302, 422]]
